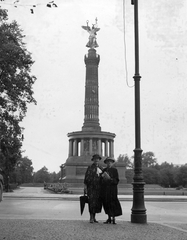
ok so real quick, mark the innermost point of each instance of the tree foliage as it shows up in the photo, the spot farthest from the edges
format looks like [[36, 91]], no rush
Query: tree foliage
[[15, 90], [129, 174], [164, 174], [54, 177], [151, 175], [148, 159], [23, 171], [42, 175], [181, 176], [123, 158]]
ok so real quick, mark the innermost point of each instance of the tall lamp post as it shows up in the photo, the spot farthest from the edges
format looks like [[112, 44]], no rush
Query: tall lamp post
[[138, 214]]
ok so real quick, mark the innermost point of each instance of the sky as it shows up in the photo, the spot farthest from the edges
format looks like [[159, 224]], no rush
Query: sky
[[57, 43]]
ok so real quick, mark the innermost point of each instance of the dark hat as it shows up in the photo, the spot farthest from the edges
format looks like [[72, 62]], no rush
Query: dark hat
[[96, 156], [109, 159]]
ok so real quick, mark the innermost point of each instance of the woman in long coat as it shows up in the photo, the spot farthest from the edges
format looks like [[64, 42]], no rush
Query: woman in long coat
[[110, 200], [92, 183]]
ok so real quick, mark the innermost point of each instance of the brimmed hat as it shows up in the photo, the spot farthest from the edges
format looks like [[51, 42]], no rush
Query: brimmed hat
[[95, 156], [109, 159]]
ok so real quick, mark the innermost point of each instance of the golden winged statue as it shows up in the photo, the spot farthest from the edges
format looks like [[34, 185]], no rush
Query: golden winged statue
[[92, 37]]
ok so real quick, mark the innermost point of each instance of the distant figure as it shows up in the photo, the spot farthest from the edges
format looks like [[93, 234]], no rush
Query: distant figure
[[92, 31], [109, 191], [92, 183], [1, 187]]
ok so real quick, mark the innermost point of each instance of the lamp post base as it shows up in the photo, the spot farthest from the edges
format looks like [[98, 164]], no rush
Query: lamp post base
[[138, 209], [138, 218]]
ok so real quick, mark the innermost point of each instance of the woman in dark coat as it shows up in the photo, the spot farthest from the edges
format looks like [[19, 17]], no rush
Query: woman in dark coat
[[110, 200], [92, 183]]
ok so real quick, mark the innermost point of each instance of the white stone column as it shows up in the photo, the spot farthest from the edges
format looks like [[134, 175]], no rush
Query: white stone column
[[82, 146], [90, 146], [112, 148], [70, 147], [78, 147], [109, 148], [106, 148], [75, 148], [99, 146]]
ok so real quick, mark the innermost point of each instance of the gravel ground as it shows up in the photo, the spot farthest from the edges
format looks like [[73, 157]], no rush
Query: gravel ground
[[83, 230]]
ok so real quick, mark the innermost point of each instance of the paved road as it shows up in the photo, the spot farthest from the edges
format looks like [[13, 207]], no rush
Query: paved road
[[30, 215], [167, 212], [37, 203]]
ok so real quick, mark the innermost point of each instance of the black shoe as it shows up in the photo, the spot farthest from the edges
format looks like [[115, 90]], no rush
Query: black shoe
[[95, 221], [108, 221], [113, 221]]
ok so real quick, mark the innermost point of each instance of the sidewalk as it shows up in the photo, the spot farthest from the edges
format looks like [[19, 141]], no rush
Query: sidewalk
[[83, 230]]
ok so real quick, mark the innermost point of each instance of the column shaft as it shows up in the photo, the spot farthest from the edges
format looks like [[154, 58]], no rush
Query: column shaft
[[106, 148], [112, 148], [99, 146], [70, 147], [75, 148], [82, 147], [110, 152], [90, 147]]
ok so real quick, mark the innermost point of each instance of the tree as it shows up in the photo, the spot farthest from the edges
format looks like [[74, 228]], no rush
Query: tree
[[123, 158], [23, 171], [181, 176], [15, 90], [54, 177], [129, 174], [151, 175], [168, 175], [42, 175], [166, 165], [148, 159]]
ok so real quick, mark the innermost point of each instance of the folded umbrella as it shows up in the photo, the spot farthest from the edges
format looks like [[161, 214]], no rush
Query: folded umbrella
[[83, 201]]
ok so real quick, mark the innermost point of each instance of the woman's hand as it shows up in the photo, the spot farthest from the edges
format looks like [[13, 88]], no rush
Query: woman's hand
[[106, 176], [85, 189]]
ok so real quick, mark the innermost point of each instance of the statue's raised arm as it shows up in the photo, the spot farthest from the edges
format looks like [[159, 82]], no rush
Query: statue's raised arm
[[93, 32]]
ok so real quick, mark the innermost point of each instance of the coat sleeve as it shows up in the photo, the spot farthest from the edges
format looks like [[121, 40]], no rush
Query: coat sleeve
[[87, 178], [114, 178]]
